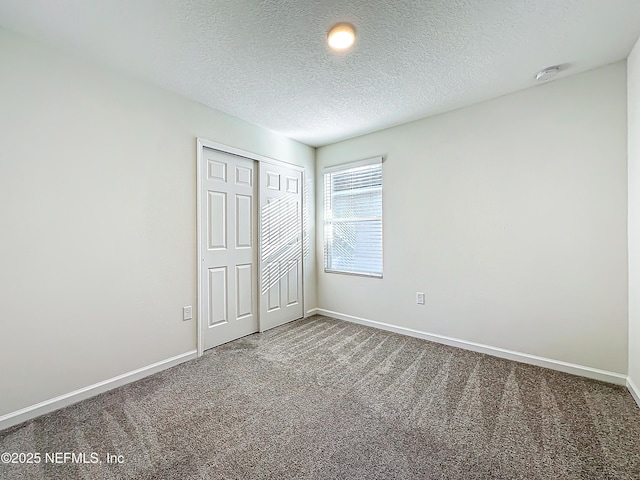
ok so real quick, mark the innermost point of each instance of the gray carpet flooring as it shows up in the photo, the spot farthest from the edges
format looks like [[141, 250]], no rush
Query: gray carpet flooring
[[324, 399]]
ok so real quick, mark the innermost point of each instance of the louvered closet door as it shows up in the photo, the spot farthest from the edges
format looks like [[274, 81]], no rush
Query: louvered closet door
[[229, 250], [280, 245]]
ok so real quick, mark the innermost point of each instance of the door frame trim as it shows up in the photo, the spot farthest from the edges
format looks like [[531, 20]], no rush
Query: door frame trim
[[201, 144]]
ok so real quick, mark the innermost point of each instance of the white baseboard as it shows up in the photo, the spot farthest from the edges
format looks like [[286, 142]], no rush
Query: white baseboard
[[603, 375], [311, 312], [633, 390], [19, 416]]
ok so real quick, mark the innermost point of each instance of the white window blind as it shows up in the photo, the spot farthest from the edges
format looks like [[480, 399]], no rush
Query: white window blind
[[353, 218]]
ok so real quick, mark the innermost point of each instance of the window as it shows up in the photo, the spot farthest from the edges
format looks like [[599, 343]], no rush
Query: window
[[353, 218]]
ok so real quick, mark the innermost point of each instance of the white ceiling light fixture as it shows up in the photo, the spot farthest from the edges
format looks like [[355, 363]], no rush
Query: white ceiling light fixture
[[548, 73], [341, 36]]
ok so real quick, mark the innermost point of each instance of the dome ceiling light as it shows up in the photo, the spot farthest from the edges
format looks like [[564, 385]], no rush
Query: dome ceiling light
[[341, 37]]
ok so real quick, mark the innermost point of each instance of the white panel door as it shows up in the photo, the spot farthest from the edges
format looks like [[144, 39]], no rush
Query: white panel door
[[280, 245], [229, 252]]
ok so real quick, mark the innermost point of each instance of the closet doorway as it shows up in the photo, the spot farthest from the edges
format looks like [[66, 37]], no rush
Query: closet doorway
[[250, 268]]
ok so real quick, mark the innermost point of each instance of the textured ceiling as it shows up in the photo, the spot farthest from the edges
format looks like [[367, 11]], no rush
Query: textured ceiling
[[266, 61]]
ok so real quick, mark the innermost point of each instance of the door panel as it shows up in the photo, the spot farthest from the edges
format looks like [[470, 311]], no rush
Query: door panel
[[292, 284], [244, 221], [217, 170], [280, 245], [217, 218], [217, 290], [274, 295], [229, 256], [244, 287]]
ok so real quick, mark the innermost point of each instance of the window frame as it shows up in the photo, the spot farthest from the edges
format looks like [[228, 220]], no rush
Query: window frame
[[343, 168]]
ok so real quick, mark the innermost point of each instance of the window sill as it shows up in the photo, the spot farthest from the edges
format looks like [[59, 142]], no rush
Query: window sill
[[354, 274]]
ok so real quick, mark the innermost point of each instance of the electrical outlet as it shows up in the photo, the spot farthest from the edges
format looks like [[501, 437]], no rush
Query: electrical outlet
[[187, 313], [420, 298]]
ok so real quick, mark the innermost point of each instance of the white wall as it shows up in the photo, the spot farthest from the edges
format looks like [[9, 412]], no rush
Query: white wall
[[511, 216], [98, 215], [633, 98]]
